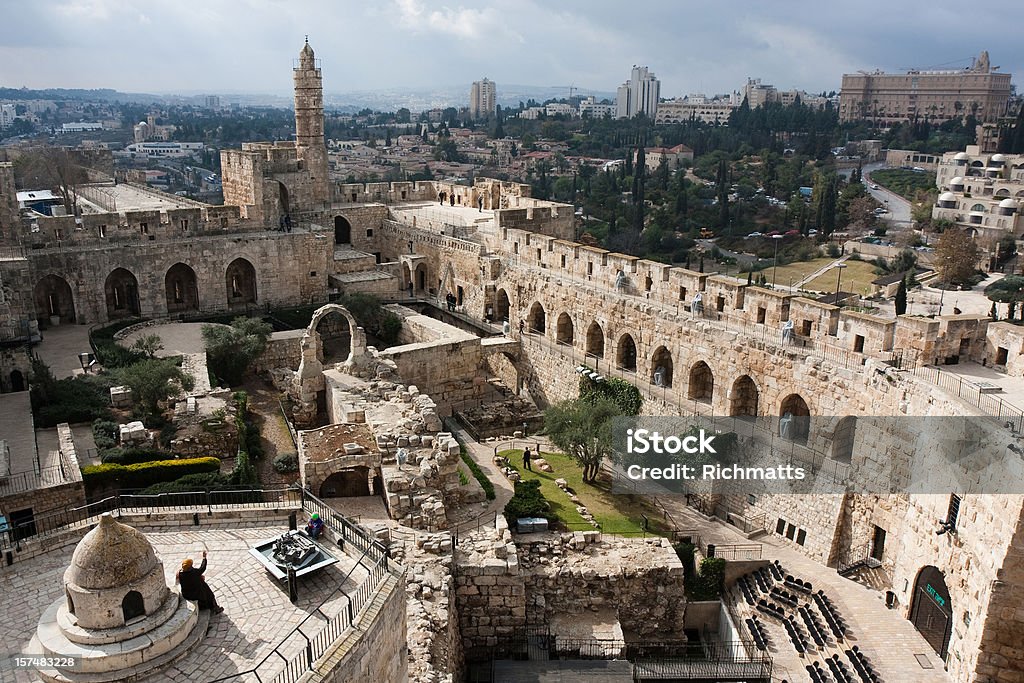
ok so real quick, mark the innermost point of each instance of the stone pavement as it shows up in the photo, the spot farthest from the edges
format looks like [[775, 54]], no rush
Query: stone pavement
[[60, 348], [178, 338], [16, 429], [889, 641], [257, 614]]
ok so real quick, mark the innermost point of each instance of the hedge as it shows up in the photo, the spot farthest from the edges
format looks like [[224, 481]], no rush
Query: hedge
[[143, 474], [478, 474]]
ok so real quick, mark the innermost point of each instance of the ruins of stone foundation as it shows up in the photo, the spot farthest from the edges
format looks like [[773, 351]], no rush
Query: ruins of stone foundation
[[460, 588]]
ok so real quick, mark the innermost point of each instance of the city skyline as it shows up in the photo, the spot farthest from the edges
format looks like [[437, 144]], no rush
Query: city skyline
[[184, 48]]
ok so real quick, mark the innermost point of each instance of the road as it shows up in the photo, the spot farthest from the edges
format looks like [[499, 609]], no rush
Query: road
[[899, 208]]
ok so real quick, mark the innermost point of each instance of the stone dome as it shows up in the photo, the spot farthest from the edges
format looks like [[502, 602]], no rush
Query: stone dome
[[961, 156], [112, 554], [998, 158], [947, 197], [958, 180], [1008, 204]]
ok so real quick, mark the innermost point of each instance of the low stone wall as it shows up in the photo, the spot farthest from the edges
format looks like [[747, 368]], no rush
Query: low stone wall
[[283, 351], [375, 648]]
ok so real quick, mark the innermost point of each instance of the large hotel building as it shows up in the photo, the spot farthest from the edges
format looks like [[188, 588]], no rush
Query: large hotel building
[[927, 95]]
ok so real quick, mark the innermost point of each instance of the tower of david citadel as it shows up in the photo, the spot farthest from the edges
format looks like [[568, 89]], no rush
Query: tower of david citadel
[[501, 311]]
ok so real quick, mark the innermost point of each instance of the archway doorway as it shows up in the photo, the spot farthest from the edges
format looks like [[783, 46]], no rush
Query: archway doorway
[[501, 305], [240, 279], [182, 289], [930, 611], [335, 337], [17, 380], [595, 341], [537, 320], [843, 438], [625, 353], [564, 329], [661, 367], [122, 293], [132, 606], [342, 230], [702, 383], [348, 483], [421, 277], [54, 301], [794, 419], [743, 397], [282, 198]]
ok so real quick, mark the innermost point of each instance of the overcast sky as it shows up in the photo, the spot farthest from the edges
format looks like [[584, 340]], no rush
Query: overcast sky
[[711, 46]]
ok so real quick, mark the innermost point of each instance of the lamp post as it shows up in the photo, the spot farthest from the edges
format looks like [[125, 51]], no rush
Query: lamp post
[[775, 261], [839, 277]]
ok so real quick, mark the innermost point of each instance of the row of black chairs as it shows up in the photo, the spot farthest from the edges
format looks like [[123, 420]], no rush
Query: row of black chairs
[[777, 571], [771, 609], [832, 617], [839, 670], [799, 584], [758, 633], [861, 665], [817, 674], [745, 590], [784, 596], [763, 580], [813, 626], [796, 635]]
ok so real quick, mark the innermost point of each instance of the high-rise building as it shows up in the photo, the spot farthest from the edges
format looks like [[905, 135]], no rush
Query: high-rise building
[[213, 101], [927, 95], [639, 94], [482, 99]]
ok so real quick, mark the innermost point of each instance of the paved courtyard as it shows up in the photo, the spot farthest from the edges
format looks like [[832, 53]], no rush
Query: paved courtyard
[[257, 614]]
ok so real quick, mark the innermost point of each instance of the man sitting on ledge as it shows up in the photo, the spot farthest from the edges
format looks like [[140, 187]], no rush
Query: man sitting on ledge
[[315, 526], [193, 585]]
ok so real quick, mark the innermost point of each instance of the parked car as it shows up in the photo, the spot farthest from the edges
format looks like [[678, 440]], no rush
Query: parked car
[[812, 232], [754, 234], [792, 233], [875, 187]]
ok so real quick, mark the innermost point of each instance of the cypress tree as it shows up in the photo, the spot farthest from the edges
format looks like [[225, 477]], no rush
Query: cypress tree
[[901, 297]]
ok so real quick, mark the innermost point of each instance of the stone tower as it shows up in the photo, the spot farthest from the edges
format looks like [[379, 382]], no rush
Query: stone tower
[[8, 205], [309, 125]]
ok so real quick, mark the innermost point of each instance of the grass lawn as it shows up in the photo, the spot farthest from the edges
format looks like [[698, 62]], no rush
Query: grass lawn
[[857, 277], [794, 272], [615, 513]]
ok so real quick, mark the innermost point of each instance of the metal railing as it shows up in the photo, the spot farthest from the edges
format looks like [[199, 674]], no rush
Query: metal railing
[[972, 393], [20, 482]]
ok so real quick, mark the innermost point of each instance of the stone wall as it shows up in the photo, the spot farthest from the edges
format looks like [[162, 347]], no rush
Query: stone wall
[[1004, 348], [283, 351]]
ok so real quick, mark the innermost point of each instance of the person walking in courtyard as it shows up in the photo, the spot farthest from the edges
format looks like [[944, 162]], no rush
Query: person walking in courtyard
[[194, 587], [522, 326], [526, 458]]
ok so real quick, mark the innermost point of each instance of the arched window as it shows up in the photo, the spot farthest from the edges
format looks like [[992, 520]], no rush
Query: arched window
[[702, 383]]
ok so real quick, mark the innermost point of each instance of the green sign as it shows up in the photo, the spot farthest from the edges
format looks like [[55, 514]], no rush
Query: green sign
[[935, 595]]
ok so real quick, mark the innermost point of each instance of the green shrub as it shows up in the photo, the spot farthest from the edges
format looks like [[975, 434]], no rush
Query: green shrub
[[108, 352], [211, 481], [478, 473], [105, 433], [286, 463], [244, 474], [75, 399], [141, 475], [626, 396], [528, 501]]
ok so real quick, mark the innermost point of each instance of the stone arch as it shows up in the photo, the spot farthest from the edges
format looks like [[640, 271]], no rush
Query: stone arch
[[564, 329], [349, 482], [342, 230], [595, 340], [335, 334], [182, 289], [357, 348], [282, 198], [625, 353], [794, 418], [701, 385], [743, 397], [132, 606], [502, 306], [54, 299], [121, 290], [537, 319], [661, 367], [240, 280], [17, 380], [843, 437], [930, 610]]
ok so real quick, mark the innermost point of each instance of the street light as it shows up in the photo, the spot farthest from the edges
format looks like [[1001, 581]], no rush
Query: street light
[[839, 276], [775, 261]]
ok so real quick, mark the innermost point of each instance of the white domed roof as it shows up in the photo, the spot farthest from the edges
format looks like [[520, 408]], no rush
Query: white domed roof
[[999, 158], [947, 197], [961, 156], [112, 554], [1008, 204], [958, 180]]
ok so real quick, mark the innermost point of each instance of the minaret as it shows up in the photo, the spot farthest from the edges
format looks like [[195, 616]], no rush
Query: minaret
[[309, 124]]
